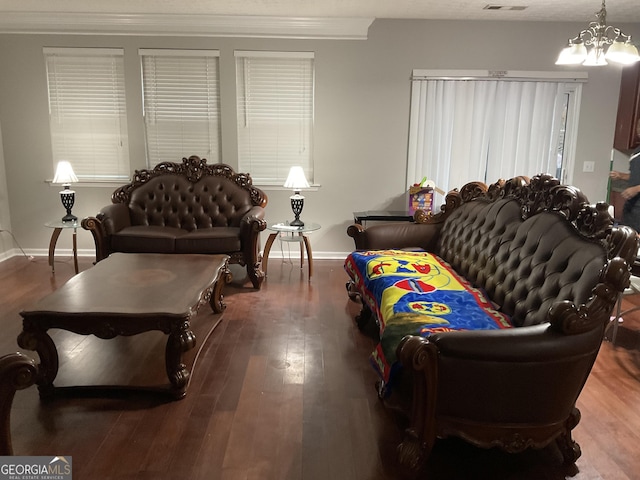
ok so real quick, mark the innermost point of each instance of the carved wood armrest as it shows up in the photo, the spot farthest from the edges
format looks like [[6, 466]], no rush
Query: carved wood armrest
[[17, 371], [96, 227]]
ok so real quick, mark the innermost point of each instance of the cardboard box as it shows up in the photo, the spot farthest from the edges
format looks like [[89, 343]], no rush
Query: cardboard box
[[420, 198]]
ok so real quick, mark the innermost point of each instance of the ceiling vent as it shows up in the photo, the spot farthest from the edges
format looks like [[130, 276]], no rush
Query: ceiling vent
[[503, 7]]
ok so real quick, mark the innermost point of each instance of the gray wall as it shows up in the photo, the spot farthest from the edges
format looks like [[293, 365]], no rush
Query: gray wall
[[361, 121]]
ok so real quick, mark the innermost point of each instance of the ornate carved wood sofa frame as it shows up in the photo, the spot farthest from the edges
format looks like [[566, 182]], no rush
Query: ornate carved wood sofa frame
[[190, 207], [17, 372], [549, 260]]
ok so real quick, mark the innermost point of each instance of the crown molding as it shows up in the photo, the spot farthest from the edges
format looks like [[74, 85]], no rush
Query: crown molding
[[338, 28]]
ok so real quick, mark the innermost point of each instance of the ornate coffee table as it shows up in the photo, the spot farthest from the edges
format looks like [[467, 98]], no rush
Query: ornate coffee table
[[127, 294]]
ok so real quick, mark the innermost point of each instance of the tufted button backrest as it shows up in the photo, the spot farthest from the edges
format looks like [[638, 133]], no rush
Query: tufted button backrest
[[523, 265], [172, 200]]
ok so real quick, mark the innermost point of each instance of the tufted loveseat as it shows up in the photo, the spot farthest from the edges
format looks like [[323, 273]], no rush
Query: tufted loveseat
[[545, 264], [190, 207]]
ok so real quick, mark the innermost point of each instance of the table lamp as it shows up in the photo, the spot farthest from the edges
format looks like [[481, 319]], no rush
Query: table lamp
[[65, 176], [297, 181]]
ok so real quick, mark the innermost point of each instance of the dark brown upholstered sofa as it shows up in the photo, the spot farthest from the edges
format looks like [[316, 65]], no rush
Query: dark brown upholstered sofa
[[552, 262], [190, 207], [17, 371]]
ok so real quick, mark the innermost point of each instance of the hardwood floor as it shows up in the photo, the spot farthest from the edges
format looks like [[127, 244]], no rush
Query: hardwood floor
[[282, 390]]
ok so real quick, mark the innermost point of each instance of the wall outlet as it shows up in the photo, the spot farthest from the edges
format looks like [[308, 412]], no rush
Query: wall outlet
[[588, 166]]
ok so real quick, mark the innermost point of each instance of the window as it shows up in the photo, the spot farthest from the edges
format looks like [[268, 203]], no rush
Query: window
[[181, 104], [275, 114], [464, 129], [87, 111]]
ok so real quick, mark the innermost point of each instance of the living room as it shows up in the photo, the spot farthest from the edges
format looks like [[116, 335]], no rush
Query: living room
[[362, 98], [361, 124]]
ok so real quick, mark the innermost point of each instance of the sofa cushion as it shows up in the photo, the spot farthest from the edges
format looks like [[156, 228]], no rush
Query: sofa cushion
[[146, 239], [521, 266], [173, 200], [210, 240], [546, 262], [473, 234]]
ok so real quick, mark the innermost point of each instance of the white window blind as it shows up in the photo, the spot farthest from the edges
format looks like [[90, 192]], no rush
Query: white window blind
[[87, 111], [275, 114], [181, 104]]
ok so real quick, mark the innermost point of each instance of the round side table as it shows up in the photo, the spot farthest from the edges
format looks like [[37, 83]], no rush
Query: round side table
[[58, 226], [289, 233]]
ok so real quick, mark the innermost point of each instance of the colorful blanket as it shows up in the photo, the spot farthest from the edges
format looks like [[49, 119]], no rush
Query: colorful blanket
[[416, 293]]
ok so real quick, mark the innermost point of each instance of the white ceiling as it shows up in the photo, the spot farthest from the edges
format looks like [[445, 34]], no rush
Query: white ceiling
[[537, 10]]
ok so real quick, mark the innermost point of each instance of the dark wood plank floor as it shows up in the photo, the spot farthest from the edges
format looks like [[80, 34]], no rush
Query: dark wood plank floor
[[282, 390]]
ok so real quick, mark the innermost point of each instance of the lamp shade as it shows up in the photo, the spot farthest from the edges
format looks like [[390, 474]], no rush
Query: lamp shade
[[64, 173], [573, 54], [625, 53], [296, 179], [595, 58]]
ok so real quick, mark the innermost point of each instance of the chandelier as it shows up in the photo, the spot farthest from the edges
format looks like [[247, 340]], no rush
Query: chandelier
[[598, 44]]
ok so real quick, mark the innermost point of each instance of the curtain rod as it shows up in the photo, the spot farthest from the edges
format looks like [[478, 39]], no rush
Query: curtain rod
[[515, 75]]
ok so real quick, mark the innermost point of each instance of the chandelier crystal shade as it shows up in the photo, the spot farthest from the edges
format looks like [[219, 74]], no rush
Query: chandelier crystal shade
[[599, 44]]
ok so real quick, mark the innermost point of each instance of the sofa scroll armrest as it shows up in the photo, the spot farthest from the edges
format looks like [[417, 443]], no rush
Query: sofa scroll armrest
[[251, 224], [95, 226], [17, 372], [395, 235], [111, 219]]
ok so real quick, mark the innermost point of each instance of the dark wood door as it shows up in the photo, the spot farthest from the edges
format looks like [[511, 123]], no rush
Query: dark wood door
[[627, 136]]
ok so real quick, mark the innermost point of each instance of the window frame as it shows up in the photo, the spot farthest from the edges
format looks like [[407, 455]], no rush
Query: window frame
[[270, 166], [87, 126], [199, 105]]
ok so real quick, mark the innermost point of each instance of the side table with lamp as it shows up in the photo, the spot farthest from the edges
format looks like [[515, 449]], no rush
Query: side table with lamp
[[291, 233], [296, 180], [295, 230], [58, 226], [64, 175]]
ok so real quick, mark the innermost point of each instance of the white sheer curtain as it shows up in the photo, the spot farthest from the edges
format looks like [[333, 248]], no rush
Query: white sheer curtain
[[465, 130], [524, 128]]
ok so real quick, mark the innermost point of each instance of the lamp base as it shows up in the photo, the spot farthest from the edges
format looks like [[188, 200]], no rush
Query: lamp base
[[68, 198], [297, 202]]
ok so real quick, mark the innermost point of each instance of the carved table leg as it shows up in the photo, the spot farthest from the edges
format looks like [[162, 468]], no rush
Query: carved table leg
[[267, 249], [52, 248], [75, 250], [181, 339], [216, 300], [309, 255], [41, 342]]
